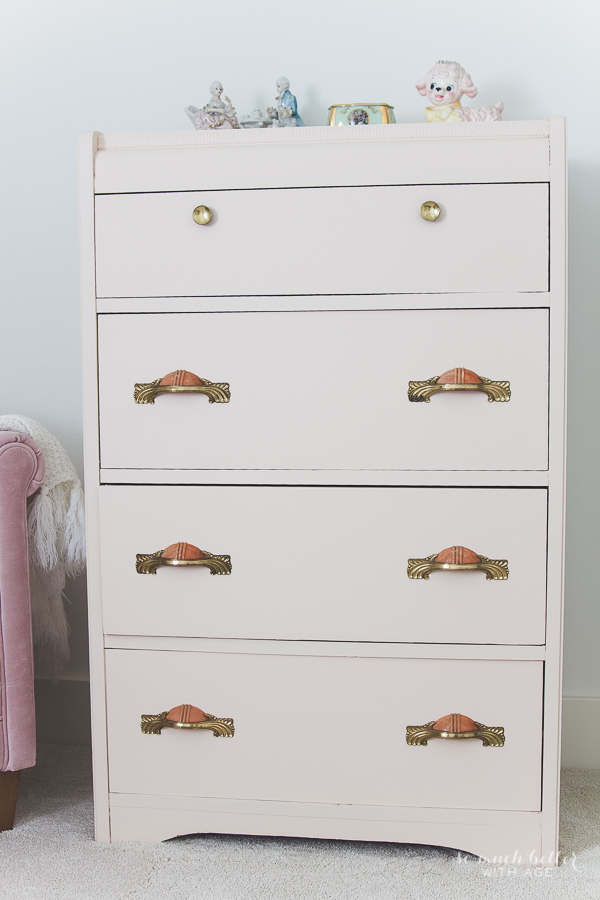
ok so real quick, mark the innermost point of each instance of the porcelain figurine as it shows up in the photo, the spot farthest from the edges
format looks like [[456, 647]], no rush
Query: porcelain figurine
[[286, 111], [444, 85], [217, 113]]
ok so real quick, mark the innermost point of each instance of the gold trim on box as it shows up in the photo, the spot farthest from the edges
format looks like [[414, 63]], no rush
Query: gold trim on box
[[217, 392], [418, 735], [495, 569], [148, 563], [421, 391], [220, 727]]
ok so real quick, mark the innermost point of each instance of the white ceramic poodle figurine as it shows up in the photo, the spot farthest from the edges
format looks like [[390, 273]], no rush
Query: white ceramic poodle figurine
[[444, 85]]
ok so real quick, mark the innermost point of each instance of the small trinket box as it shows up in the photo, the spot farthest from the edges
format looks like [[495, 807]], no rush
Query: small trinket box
[[361, 114]]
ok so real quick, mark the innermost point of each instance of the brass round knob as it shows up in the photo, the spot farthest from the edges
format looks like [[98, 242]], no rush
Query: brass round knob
[[202, 215], [430, 211]]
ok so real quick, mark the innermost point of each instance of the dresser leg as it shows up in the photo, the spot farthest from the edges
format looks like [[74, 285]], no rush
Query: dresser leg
[[9, 790]]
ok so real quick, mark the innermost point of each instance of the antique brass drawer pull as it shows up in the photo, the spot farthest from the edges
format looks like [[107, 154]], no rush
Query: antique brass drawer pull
[[202, 215], [458, 559], [182, 554], [454, 727], [182, 382], [458, 380], [430, 210], [187, 716]]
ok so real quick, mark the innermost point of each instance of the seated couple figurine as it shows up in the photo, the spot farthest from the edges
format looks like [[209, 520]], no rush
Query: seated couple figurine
[[219, 113]]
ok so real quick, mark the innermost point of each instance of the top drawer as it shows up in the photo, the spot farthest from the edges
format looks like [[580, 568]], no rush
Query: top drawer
[[336, 240]]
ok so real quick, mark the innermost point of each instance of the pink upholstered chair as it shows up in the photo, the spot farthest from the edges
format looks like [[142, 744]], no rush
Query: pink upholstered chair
[[21, 474]]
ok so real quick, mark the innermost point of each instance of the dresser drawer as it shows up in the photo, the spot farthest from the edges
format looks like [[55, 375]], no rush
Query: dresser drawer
[[339, 240], [326, 563], [326, 729], [325, 390]]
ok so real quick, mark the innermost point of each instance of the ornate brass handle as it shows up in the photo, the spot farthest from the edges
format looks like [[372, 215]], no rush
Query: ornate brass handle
[[458, 559], [454, 727], [202, 215], [458, 380], [430, 211], [187, 716], [182, 554], [182, 382]]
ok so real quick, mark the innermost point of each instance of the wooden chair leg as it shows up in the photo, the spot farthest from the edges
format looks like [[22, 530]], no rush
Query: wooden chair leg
[[9, 791]]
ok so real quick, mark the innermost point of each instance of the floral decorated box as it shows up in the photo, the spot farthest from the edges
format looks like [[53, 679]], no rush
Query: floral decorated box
[[361, 114]]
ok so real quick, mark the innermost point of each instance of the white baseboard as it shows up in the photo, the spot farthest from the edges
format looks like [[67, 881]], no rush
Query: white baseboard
[[581, 733]]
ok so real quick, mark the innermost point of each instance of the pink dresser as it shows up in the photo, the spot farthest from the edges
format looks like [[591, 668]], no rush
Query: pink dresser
[[325, 482]]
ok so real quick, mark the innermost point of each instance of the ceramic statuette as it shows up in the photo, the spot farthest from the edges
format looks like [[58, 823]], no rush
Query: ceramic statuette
[[286, 110], [216, 114], [444, 85]]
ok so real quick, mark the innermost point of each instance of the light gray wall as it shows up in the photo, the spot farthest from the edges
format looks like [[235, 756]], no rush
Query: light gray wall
[[133, 65]]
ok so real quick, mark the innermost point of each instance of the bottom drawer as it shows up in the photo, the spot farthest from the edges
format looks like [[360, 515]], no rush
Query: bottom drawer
[[326, 729]]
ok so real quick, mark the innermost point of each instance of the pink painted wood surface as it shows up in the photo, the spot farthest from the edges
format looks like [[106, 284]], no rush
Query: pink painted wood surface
[[325, 391], [359, 240], [506, 840], [326, 563], [484, 159], [305, 729], [418, 153]]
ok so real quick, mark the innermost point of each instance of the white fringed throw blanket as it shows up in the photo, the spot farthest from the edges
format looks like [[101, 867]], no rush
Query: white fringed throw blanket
[[56, 545]]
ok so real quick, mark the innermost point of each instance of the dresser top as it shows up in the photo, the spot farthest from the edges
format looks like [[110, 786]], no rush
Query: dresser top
[[320, 156], [326, 134]]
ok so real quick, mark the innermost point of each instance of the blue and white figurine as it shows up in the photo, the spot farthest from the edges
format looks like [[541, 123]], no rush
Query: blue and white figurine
[[286, 111]]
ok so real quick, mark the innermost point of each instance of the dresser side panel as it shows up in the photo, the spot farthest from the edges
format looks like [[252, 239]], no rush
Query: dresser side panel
[[557, 486], [87, 152]]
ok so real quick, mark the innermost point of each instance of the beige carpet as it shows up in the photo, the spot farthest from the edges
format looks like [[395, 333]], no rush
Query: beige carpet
[[51, 855]]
